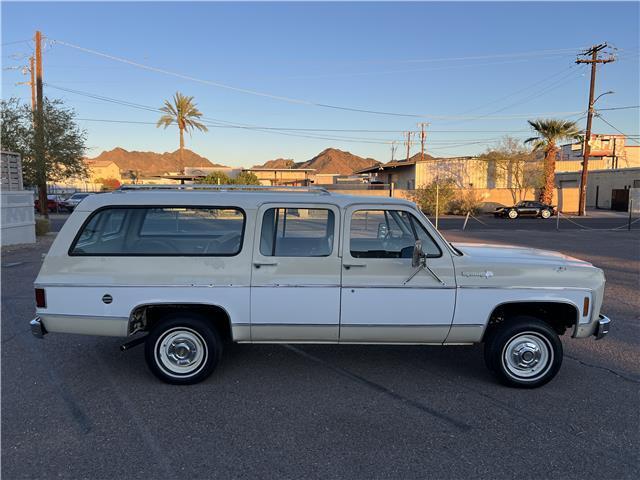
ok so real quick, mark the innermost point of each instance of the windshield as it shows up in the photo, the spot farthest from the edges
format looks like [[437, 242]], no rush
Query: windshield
[[79, 196]]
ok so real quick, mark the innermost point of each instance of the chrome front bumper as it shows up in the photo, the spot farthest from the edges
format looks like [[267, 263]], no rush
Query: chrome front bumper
[[602, 327], [37, 328]]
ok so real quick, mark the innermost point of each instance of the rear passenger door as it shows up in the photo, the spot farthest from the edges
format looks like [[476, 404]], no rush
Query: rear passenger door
[[295, 279]]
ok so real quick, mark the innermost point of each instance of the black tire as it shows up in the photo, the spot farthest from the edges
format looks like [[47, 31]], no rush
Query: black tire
[[512, 214], [526, 338], [183, 348], [546, 213]]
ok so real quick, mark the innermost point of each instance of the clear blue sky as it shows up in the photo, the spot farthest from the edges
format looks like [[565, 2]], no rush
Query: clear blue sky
[[395, 57]]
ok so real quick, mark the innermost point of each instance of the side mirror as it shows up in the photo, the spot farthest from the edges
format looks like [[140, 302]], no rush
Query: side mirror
[[383, 230], [419, 258]]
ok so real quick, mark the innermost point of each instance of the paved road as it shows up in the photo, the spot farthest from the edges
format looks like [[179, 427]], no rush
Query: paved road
[[76, 407]]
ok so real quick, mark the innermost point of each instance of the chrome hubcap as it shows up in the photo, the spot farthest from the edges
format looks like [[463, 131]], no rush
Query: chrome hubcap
[[181, 352], [527, 356]]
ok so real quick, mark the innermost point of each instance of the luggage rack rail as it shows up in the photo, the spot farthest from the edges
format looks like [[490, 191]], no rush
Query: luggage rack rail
[[226, 188]]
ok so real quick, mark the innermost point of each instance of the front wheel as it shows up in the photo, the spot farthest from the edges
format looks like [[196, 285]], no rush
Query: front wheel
[[513, 214], [545, 214], [183, 349], [525, 352]]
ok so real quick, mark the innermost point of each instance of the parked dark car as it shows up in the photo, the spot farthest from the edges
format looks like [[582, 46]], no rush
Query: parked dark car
[[526, 209]]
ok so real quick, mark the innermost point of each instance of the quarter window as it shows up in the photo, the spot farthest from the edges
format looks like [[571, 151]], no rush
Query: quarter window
[[297, 232], [162, 231], [388, 234]]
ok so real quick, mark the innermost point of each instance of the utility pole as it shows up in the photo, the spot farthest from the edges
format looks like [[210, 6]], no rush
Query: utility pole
[[394, 147], [594, 60], [41, 172], [423, 137], [408, 143]]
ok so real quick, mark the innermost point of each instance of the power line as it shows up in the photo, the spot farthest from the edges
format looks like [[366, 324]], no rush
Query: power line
[[231, 87], [228, 124], [520, 90], [411, 70], [630, 137], [478, 57], [531, 96], [249, 91], [618, 108], [16, 41]]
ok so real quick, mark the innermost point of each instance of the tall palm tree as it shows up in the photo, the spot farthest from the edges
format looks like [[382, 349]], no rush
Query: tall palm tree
[[182, 111], [550, 132]]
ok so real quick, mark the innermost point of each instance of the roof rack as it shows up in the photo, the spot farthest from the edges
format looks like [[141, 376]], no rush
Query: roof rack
[[226, 188]]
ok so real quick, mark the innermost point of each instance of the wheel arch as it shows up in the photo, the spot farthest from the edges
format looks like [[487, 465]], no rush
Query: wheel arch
[[559, 314], [144, 316]]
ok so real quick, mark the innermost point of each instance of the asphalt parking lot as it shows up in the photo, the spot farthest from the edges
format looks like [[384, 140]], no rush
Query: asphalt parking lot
[[77, 407]]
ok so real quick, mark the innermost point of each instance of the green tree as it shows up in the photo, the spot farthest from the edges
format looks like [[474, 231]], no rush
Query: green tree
[[221, 178], [550, 132], [246, 178], [182, 111], [440, 192], [216, 178], [64, 140]]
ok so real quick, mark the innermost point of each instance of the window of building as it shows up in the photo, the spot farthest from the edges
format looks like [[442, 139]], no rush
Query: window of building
[[297, 232], [161, 231], [388, 234]]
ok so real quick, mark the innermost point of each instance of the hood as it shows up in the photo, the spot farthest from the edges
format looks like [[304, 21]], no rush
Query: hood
[[511, 253]]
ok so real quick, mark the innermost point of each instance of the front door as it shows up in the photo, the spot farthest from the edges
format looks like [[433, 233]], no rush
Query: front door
[[295, 280], [380, 301]]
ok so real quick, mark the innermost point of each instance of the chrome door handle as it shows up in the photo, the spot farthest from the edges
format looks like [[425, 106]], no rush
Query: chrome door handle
[[264, 264], [350, 265]]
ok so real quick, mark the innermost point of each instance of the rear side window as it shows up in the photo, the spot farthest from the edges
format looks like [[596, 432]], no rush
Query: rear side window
[[297, 232], [161, 231]]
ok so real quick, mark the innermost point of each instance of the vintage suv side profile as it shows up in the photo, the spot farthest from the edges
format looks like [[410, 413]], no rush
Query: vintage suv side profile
[[184, 268]]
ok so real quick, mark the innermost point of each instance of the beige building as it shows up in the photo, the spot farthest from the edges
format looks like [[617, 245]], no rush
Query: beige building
[[282, 176], [606, 189], [97, 170], [607, 152]]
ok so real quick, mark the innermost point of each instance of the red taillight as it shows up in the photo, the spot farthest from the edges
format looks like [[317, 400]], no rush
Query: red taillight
[[41, 299]]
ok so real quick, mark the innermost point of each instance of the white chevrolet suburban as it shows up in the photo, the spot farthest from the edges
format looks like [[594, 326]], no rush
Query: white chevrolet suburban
[[184, 268]]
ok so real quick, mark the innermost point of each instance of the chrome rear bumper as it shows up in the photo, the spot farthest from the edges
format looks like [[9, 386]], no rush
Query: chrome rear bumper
[[37, 328], [603, 327]]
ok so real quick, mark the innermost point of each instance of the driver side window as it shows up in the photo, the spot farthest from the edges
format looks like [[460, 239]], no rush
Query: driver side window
[[388, 234]]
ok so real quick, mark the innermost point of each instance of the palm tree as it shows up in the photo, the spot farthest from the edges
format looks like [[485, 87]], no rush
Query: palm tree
[[182, 111], [550, 132]]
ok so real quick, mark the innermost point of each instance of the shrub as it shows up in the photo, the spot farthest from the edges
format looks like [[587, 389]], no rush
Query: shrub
[[441, 192], [465, 201]]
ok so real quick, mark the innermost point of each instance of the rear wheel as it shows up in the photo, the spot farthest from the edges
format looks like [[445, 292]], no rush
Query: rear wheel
[[183, 348], [513, 214], [545, 213], [524, 352]]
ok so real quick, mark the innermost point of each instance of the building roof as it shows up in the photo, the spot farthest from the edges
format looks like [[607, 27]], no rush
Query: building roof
[[100, 163], [262, 169], [386, 166]]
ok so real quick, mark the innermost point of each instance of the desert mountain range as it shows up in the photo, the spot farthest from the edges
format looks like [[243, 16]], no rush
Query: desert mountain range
[[330, 160], [152, 163]]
